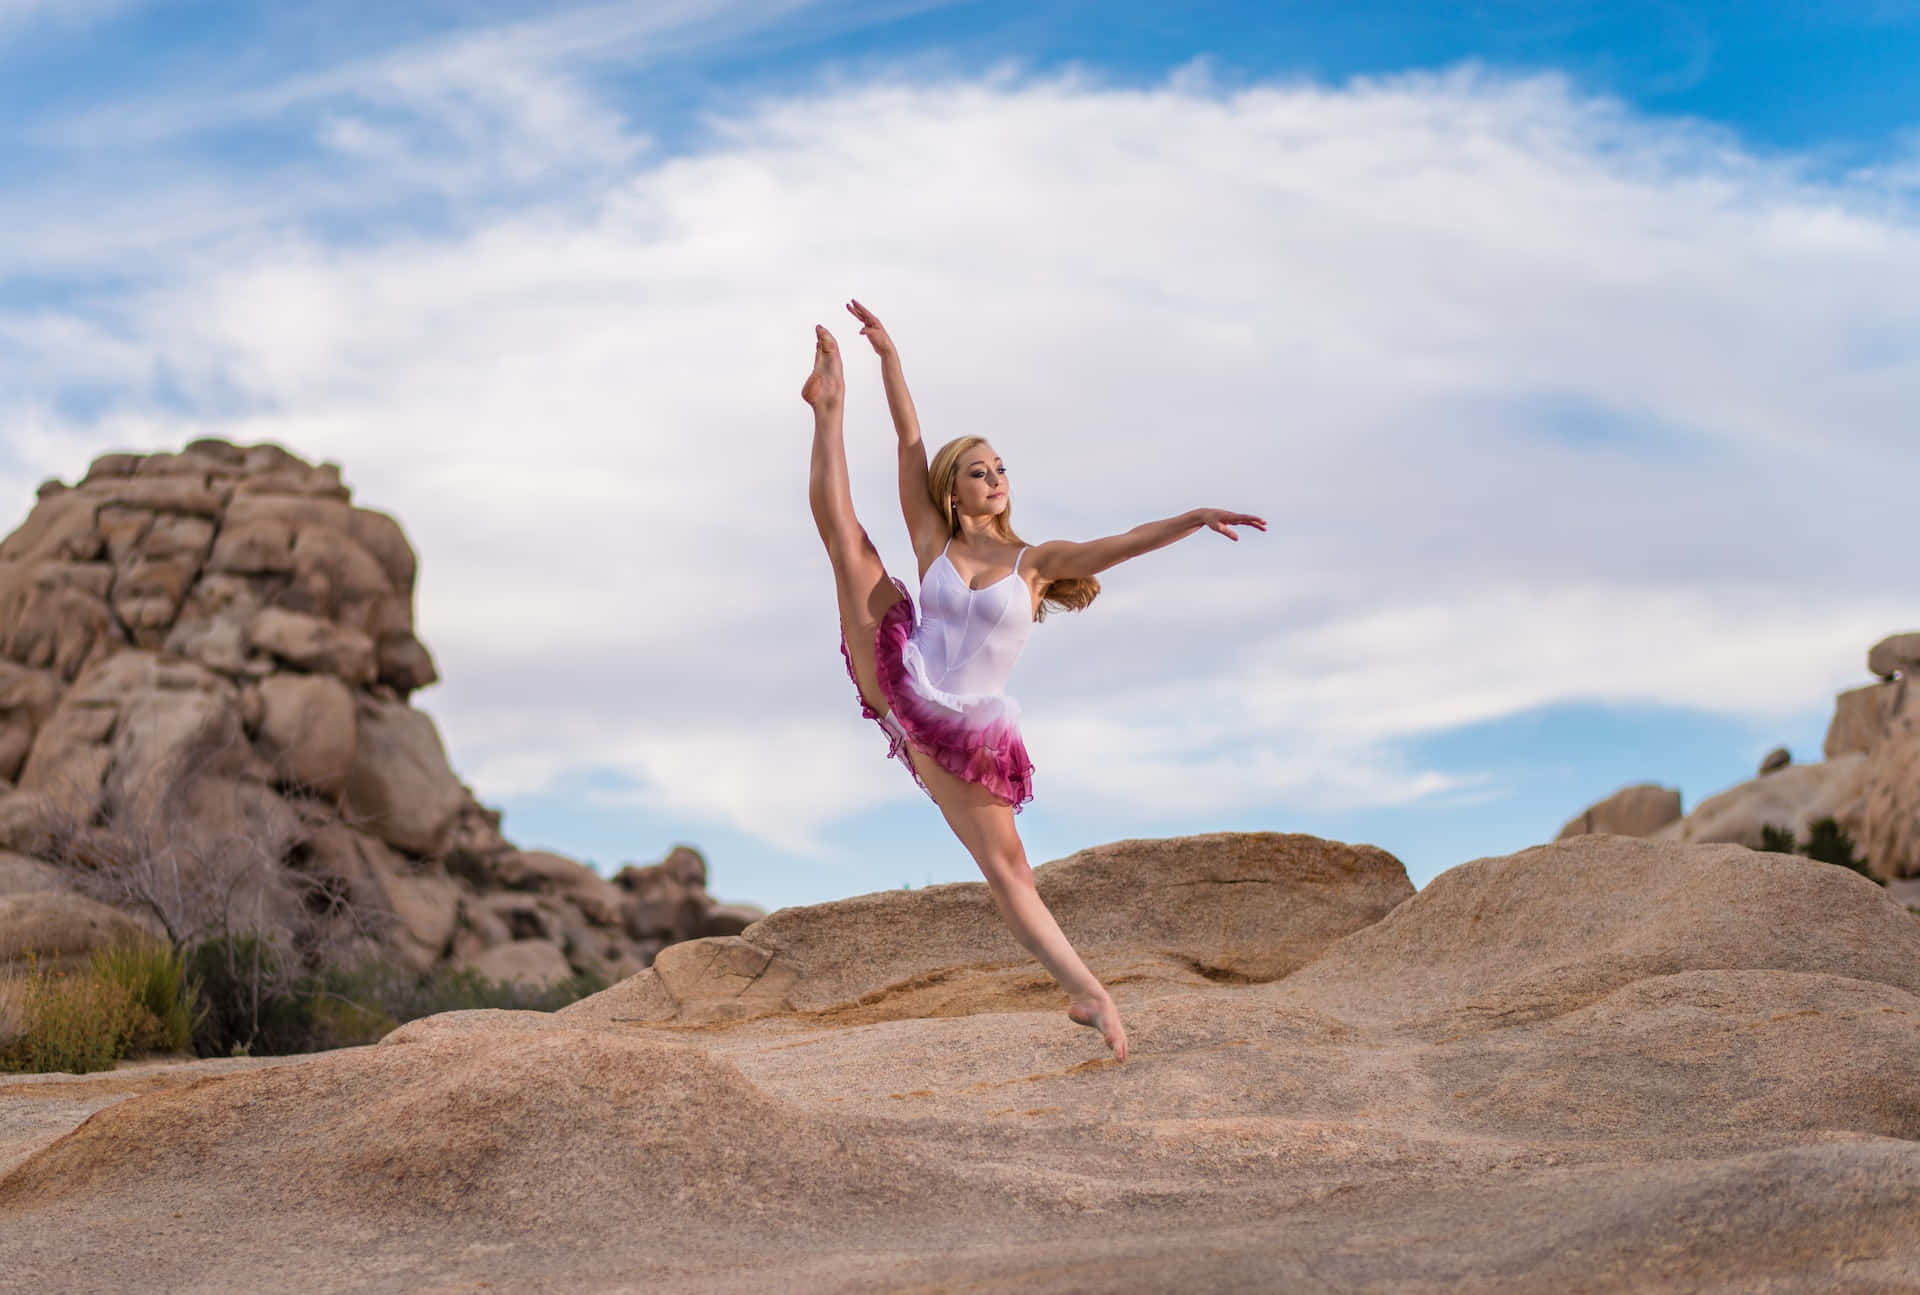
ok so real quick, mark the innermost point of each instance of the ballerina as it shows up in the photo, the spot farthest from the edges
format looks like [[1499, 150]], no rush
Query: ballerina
[[937, 685]]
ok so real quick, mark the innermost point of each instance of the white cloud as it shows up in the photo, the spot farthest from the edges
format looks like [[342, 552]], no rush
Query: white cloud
[[1544, 401]]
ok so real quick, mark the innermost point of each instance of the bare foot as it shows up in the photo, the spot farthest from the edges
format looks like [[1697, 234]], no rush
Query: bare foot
[[1100, 1014], [824, 386]]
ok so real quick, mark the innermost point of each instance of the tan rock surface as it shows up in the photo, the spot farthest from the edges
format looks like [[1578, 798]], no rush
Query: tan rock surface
[[21, 874], [56, 925], [1640, 810], [1860, 717], [1602, 1065], [1896, 654], [27, 699], [534, 962], [400, 787], [308, 729], [542, 871], [1228, 907], [1791, 797], [314, 643], [1890, 832]]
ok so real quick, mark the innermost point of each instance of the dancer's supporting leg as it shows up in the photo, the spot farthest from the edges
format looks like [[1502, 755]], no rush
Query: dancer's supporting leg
[[984, 824], [859, 577]]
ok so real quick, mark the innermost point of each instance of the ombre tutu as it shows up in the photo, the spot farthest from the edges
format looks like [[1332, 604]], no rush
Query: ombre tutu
[[943, 673]]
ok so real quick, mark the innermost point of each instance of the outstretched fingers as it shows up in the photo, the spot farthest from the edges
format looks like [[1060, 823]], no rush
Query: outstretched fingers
[[1222, 521], [871, 328]]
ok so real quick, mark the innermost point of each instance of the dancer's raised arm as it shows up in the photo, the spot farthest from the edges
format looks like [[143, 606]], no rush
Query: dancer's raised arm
[[1067, 560], [925, 525]]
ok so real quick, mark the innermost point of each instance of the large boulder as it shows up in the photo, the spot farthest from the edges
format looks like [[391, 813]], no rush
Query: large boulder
[[1890, 832], [400, 787], [1632, 811], [314, 643], [380, 535], [55, 925], [27, 699], [1861, 717], [308, 727], [534, 962], [598, 899], [1897, 654], [1231, 907], [55, 614], [1547, 931], [22, 874], [335, 578]]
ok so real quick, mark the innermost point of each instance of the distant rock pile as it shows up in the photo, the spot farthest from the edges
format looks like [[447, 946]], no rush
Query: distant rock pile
[[1869, 783], [210, 653]]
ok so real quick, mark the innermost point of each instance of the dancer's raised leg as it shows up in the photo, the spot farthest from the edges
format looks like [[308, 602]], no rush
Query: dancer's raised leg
[[860, 579], [984, 824]]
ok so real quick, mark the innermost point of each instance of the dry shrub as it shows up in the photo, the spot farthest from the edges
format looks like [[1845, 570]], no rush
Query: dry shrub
[[71, 1022], [156, 976]]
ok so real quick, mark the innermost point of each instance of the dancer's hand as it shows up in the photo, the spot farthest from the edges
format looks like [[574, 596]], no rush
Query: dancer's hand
[[1221, 520], [874, 331], [824, 387]]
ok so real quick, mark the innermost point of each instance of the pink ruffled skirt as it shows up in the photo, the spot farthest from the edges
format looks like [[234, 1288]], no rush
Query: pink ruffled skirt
[[971, 736]]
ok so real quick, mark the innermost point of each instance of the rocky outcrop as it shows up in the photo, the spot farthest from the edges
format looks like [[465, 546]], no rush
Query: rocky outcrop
[[1861, 717], [1890, 827], [1632, 811], [1869, 784], [1600, 1065], [1234, 908], [1793, 798], [1897, 655], [225, 631]]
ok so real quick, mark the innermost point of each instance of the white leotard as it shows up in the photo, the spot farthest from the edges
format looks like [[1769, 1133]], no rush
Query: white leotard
[[970, 638]]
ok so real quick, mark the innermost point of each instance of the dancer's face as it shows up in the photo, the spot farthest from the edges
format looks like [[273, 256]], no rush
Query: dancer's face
[[981, 489]]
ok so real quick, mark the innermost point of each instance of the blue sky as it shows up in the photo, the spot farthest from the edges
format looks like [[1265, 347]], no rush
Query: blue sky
[[1564, 344]]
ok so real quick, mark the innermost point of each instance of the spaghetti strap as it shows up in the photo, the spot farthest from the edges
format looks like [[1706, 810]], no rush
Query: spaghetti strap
[[1021, 554]]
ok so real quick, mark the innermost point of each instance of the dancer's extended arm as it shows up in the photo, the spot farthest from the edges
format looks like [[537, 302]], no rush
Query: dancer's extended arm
[[924, 523], [1066, 560]]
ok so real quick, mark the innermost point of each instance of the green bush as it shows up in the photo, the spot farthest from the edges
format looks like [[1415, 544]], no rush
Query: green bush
[[71, 1022], [255, 1000], [156, 976], [1826, 842], [242, 994], [1829, 843], [251, 998]]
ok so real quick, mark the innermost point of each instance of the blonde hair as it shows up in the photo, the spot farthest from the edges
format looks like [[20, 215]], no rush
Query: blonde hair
[[943, 474]]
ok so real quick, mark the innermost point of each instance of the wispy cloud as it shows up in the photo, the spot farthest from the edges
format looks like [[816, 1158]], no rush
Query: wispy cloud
[[22, 15], [1369, 312]]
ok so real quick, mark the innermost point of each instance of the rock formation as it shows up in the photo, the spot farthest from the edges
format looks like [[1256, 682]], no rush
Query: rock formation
[[1869, 783], [1178, 910], [1602, 1065], [210, 653], [1632, 811]]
